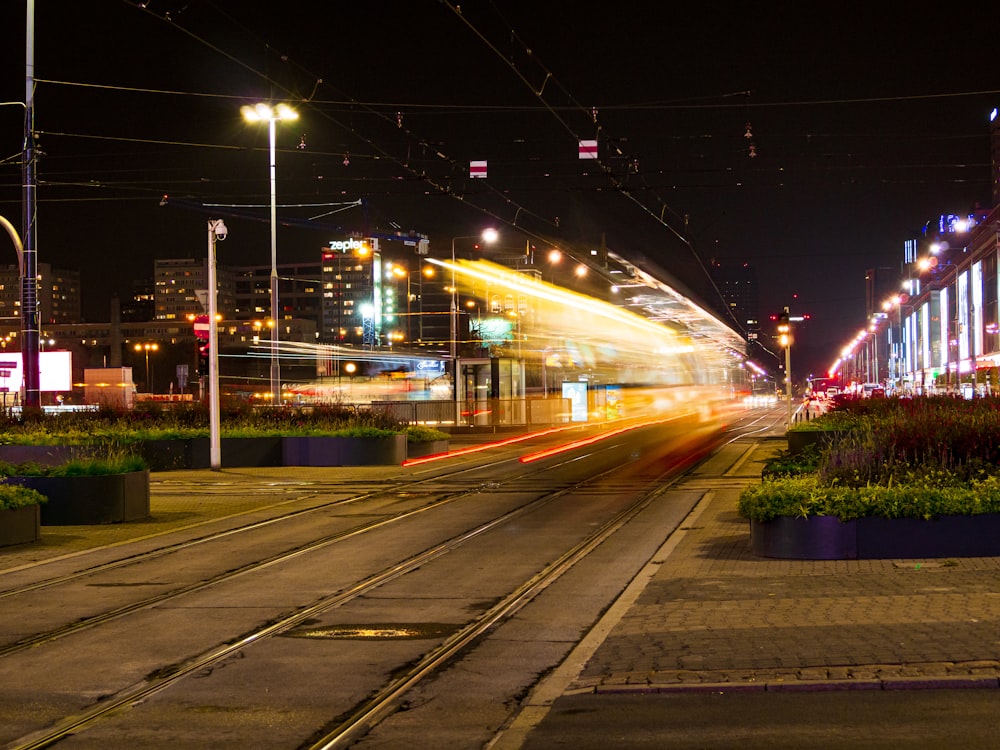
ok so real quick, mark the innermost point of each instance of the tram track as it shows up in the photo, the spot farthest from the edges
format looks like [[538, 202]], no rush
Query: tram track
[[544, 482], [443, 476], [165, 676], [258, 565]]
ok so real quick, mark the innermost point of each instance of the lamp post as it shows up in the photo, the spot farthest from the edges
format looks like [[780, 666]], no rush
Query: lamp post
[[488, 236], [147, 348], [261, 113], [216, 231]]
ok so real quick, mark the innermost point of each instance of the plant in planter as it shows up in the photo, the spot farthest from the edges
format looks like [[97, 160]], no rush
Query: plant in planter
[[425, 441], [19, 514], [357, 446], [178, 438], [86, 491], [916, 478]]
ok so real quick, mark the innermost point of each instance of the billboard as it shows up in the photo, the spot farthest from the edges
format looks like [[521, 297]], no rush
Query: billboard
[[55, 371]]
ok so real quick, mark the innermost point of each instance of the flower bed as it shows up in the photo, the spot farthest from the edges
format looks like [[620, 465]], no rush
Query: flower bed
[[907, 478]]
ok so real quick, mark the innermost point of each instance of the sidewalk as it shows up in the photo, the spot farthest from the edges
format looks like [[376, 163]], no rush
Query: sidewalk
[[714, 617]]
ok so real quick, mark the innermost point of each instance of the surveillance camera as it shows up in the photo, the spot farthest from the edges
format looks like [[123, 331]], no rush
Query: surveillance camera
[[220, 230]]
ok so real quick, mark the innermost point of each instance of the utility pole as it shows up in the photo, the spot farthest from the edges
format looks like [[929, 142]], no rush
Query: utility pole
[[29, 272]]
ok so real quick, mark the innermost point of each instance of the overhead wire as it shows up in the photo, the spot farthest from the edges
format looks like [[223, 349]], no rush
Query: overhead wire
[[617, 182]]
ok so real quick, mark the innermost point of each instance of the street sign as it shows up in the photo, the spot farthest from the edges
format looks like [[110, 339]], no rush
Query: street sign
[[201, 327]]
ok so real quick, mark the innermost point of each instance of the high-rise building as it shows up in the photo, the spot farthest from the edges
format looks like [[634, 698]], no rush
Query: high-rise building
[[738, 287], [178, 282], [141, 303], [299, 287], [58, 294]]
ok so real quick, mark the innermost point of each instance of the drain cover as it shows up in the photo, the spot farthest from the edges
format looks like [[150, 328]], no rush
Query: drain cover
[[376, 631]]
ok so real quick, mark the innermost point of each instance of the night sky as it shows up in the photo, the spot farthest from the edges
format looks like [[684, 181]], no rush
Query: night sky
[[864, 125]]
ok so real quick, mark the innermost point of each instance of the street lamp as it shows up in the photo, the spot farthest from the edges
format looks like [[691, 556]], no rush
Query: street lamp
[[216, 231], [147, 348], [261, 113], [489, 236]]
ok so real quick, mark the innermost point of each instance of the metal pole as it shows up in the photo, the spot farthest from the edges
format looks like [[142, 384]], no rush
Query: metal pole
[[29, 283], [788, 381], [216, 229], [454, 332], [275, 366]]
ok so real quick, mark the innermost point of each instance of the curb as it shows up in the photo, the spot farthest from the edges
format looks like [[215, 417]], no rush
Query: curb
[[806, 686]]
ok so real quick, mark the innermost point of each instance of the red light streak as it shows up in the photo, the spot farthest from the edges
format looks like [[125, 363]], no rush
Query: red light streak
[[485, 446], [589, 441]]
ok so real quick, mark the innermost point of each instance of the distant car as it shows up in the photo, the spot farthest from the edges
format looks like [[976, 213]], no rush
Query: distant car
[[832, 391]]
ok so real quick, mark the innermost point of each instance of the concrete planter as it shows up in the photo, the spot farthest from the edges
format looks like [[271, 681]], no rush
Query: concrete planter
[[248, 451], [422, 448], [195, 453], [89, 500], [19, 525], [163, 455], [45, 455], [343, 451], [828, 538]]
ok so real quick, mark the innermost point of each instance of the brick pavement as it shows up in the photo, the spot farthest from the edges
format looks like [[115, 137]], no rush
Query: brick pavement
[[715, 617]]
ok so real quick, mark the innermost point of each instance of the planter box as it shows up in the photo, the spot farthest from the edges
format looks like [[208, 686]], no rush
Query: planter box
[[234, 452], [195, 453], [45, 455], [19, 525], [88, 500], [343, 451], [827, 538], [426, 448], [163, 455]]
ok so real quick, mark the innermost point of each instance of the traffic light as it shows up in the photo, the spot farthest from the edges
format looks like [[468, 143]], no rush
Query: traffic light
[[203, 357], [784, 329]]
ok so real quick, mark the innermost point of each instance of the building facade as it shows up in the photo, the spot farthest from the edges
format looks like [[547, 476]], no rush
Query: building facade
[[58, 294], [940, 333]]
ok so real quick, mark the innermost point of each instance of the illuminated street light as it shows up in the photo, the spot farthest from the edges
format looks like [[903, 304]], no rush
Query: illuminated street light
[[147, 348], [262, 113]]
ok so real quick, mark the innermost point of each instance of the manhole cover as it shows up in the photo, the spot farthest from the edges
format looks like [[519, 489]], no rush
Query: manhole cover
[[376, 631]]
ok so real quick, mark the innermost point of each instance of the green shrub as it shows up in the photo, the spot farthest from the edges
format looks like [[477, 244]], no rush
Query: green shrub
[[912, 458], [14, 496], [806, 496], [76, 467], [119, 428], [418, 433], [786, 463]]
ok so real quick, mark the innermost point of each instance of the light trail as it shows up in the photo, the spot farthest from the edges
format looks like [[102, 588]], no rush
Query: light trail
[[594, 439], [486, 446]]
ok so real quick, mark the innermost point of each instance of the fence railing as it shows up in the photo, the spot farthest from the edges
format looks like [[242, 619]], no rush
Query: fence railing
[[492, 412]]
